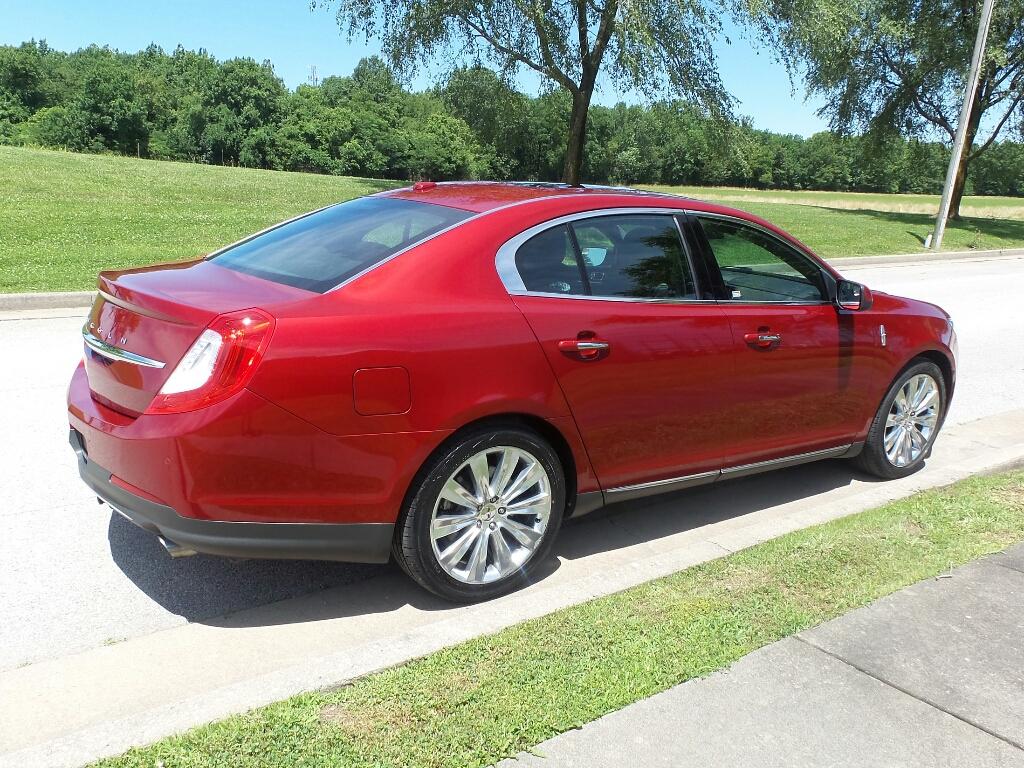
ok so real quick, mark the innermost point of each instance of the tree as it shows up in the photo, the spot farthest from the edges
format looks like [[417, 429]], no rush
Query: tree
[[647, 46], [899, 66]]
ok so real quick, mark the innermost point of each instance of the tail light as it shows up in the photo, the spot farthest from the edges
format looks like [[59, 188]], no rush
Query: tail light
[[218, 364]]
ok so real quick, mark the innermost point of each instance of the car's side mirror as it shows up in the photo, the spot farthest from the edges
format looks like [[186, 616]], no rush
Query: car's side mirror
[[852, 296]]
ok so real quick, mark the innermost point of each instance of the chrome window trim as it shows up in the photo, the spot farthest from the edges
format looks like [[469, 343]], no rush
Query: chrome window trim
[[505, 258], [814, 260], [117, 354]]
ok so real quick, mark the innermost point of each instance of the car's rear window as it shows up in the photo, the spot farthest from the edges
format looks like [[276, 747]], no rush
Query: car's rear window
[[323, 249]]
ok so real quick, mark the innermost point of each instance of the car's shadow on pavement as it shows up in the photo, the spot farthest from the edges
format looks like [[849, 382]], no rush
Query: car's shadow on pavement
[[215, 590]]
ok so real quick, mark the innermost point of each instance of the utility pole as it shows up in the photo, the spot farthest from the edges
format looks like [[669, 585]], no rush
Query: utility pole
[[961, 129], [313, 79]]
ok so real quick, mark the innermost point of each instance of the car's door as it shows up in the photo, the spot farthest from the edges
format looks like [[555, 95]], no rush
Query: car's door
[[640, 354], [801, 371]]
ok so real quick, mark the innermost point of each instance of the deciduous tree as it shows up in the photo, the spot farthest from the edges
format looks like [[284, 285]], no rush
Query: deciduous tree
[[651, 46]]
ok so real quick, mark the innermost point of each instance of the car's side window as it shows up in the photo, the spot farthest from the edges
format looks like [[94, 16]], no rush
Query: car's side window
[[547, 263], [759, 268], [634, 256]]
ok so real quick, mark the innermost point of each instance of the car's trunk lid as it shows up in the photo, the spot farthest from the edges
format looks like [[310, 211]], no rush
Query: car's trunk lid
[[144, 320]]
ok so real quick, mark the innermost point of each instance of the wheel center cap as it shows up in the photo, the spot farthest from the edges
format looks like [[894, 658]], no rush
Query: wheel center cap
[[487, 512]]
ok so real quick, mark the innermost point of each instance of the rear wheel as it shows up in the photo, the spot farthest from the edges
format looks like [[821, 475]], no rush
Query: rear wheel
[[483, 515], [904, 429]]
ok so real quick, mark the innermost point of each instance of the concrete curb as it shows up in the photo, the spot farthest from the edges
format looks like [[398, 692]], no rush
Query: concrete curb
[[926, 256], [14, 302], [59, 300], [71, 710]]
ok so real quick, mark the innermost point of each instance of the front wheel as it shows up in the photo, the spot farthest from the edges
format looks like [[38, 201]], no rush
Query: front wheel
[[483, 515], [904, 429]]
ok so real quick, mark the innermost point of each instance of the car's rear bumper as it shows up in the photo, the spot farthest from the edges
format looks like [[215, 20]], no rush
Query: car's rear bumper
[[348, 542]]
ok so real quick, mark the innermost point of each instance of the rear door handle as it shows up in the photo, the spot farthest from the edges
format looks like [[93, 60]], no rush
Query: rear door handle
[[583, 349], [762, 340]]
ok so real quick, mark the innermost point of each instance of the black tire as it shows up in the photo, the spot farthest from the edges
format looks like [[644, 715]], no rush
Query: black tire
[[413, 548], [872, 459]]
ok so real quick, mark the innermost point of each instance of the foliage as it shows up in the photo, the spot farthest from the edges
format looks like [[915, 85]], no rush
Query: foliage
[[186, 105], [653, 47], [898, 67]]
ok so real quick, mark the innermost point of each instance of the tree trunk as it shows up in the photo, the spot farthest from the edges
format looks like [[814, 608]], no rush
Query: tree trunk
[[573, 171]]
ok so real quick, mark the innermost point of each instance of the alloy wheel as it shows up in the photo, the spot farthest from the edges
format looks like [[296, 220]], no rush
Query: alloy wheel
[[912, 420], [491, 515]]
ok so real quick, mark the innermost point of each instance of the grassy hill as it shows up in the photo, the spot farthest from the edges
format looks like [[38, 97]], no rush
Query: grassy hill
[[67, 216]]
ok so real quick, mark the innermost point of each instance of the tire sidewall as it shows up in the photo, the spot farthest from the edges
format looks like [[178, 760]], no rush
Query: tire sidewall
[[421, 510]]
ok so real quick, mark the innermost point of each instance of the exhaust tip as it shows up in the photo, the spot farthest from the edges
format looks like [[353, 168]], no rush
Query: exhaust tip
[[174, 549]]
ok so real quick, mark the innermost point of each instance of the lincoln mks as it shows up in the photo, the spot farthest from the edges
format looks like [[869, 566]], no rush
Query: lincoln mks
[[442, 374]]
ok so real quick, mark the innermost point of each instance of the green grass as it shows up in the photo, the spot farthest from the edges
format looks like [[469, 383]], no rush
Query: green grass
[[837, 224], [489, 698], [67, 216]]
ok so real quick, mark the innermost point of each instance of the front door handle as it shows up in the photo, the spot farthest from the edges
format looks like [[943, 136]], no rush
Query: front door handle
[[583, 349], [762, 340]]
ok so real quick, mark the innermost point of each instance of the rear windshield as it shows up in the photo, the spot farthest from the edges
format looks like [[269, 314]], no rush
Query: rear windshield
[[323, 249]]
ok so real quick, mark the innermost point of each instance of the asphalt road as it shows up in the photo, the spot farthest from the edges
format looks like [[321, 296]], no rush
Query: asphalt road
[[75, 577]]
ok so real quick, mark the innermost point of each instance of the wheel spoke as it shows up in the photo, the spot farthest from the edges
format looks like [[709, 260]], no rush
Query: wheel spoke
[[446, 525], [478, 559], [525, 480], [481, 475], [456, 494], [502, 553], [892, 436], [454, 552], [503, 472], [524, 534], [522, 505], [926, 400]]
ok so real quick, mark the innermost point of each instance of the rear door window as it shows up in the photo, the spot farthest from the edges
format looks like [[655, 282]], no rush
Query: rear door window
[[634, 256], [319, 251]]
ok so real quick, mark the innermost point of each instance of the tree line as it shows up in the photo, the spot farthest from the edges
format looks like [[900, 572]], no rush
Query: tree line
[[186, 105]]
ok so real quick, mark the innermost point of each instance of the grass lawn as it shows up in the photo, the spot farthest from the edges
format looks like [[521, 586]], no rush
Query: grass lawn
[[67, 216], [478, 702], [836, 224]]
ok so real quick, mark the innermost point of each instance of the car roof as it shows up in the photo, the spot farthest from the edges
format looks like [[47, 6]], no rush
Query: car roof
[[482, 196]]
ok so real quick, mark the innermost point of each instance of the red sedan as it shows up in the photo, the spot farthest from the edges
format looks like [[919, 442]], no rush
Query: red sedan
[[444, 373]]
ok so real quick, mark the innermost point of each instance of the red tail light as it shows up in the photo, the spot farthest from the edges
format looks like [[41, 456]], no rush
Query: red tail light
[[218, 364]]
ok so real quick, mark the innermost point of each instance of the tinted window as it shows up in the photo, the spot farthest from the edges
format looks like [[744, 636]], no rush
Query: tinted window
[[634, 257], [319, 251], [547, 263], [757, 267]]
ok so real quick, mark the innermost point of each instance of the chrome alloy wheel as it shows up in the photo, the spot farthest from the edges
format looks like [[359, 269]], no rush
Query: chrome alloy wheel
[[912, 420], [491, 515]]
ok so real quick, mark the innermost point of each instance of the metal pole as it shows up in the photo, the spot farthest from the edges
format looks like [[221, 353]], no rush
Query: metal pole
[[965, 114]]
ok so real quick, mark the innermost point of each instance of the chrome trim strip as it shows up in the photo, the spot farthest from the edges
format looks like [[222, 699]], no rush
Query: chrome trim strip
[[795, 458], [685, 480], [117, 354], [612, 298], [659, 486]]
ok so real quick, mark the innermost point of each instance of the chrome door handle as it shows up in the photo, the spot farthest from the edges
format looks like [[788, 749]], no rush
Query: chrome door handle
[[762, 340], [584, 349]]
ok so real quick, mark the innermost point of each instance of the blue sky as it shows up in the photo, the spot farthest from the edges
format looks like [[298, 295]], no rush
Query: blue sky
[[293, 38]]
